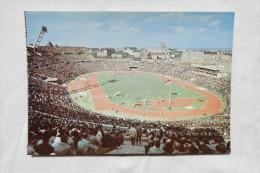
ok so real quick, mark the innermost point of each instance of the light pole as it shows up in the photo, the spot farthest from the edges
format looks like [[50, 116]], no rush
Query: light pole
[[173, 96], [39, 39]]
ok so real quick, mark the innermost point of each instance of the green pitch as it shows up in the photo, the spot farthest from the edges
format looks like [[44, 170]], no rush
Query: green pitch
[[132, 88]]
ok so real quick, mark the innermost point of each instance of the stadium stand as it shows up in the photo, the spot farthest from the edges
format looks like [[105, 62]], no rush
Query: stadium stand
[[59, 127]]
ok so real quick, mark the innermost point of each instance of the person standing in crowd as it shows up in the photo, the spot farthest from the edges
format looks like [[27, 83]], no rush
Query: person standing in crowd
[[139, 134], [133, 134], [161, 133], [99, 137], [107, 140], [121, 138]]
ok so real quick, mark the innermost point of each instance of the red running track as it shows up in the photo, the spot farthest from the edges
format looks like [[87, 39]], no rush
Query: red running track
[[101, 103]]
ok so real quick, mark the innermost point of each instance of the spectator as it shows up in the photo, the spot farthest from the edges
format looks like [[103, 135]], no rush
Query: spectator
[[168, 149], [30, 148], [151, 143], [63, 149], [228, 146], [92, 138], [85, 147], [139, 134], [115, 140], [155, 149], [107, 140], [45, 148], [121, 138], [99, 137], [133, 134], [194, 149], [163, 144], [161, 133]]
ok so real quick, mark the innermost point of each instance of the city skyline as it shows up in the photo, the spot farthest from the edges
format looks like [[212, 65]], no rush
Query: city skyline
[[205, 30]]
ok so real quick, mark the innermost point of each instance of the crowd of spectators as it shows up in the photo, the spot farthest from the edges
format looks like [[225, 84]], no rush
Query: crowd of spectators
[[54, 135], [57, 126], [78, 57], [56, 50], [58, 135], [197, 141], [180, 140]]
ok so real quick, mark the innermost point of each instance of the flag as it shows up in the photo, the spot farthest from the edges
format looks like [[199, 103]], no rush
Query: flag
[[167, 82], [137, 104]]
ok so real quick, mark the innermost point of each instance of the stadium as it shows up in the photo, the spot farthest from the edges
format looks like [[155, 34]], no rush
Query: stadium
[[76, 95]]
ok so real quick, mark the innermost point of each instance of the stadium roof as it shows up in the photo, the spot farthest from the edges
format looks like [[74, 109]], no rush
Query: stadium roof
[[51, 80], [206, 67]]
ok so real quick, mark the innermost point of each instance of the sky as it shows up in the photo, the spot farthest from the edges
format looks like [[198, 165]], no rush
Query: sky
[[133, 29]]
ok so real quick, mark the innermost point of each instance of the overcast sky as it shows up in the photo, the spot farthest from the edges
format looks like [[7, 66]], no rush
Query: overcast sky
[[122, 29]]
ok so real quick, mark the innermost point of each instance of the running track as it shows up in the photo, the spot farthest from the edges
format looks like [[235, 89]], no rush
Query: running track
[[212, 105]]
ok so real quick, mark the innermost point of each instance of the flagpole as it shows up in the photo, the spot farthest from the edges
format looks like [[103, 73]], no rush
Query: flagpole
[[170, 94]]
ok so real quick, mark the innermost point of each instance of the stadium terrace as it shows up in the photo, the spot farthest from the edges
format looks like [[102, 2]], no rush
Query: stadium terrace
[[60, 125]]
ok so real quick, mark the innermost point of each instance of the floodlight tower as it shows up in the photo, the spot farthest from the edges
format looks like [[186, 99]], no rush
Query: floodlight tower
[[166, 51], [39, 39]]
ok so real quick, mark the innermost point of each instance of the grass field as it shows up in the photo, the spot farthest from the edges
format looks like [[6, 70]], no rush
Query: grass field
[[136, 87], [83, 101], [116, 93]]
